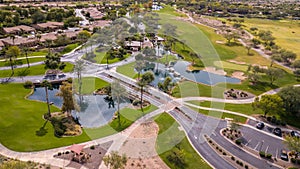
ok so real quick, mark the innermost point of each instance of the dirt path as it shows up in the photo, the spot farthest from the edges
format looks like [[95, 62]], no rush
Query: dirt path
[[140, 148]]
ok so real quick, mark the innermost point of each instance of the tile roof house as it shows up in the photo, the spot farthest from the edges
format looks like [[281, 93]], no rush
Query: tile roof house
[[18, 30], [1, 44], [20, 41], [98, 23], [133, 45], [49, 26], [50, 36], [94, 13]]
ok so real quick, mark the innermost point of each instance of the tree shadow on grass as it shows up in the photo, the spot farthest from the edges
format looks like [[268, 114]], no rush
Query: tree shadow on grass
[[42, 131], [262, 86]]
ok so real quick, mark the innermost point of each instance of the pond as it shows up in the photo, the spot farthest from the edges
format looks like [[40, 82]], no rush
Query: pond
[[95, 111], [178, 71]]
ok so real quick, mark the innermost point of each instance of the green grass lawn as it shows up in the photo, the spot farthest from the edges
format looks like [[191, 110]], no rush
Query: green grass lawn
[[41, 52], [33, 70], [188, 88], [194, 38], [22, 61], [171, 11], [167, 58], [240, 108], [101, 58], [286, 32], [227, 65], [220, 115], [170, 139], [20, 119], [128, 116], [69, 48], [90, 84], [127, 70]]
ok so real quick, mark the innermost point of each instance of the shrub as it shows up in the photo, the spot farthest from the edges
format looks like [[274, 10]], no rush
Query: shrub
[[298, 161], [59, 153], [67, 152], [241, 164], [217, 148], [246, 167], [28, 84], [224, 153], [283, 123], [221, 150], [238, 142], [210, 141], [237, 161], [278, 122], [269, 118], [69, 80], [92, 147], [269, 156], [262, 153], [136, 102], [273, 119], [293, 160], [232, 158]]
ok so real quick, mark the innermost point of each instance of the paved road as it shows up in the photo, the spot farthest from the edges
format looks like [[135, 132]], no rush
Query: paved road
[[84, 21], [202, 124]]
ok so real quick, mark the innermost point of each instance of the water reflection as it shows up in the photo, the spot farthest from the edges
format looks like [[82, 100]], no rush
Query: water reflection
[[95, 110]]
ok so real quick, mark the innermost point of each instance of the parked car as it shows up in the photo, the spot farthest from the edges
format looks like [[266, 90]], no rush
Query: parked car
[[260, 125], [284, 156], [277, 131], [295, 134], [61, 75]]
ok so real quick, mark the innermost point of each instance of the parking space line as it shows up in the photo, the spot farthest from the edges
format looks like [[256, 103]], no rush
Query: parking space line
[[276, 153], [248, 142], [267, 149], [256, 146]]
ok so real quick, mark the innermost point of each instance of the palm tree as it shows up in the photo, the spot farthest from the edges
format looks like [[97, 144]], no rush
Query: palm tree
[[38, 37], [12, 52], [118, 92], [48, 44], [25, 51], [12, 37], [146, 79], [139, 66], [47, 85], [78, 68]]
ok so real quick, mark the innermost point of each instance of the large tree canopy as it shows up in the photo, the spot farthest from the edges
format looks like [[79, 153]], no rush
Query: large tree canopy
[[291, 98], [270, 104]]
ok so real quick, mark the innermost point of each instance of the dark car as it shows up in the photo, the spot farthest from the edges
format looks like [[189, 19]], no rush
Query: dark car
[[260, 125], [295, 134], [284, 156], [277, 132]]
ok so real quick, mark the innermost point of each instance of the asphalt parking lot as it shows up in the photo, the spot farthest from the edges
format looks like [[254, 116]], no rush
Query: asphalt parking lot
[[260, 141]]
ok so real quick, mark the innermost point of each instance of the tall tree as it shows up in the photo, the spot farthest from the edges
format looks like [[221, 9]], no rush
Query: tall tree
[[146, 79], [65, 91], [118, 92], [269, 104], [291, 99], [139, 66], [12, 53], [273, 74], [47, 85], [78, 68], [25, 51], [293, 143]]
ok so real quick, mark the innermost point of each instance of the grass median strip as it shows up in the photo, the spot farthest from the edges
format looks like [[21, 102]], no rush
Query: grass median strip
[[171, 143]]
